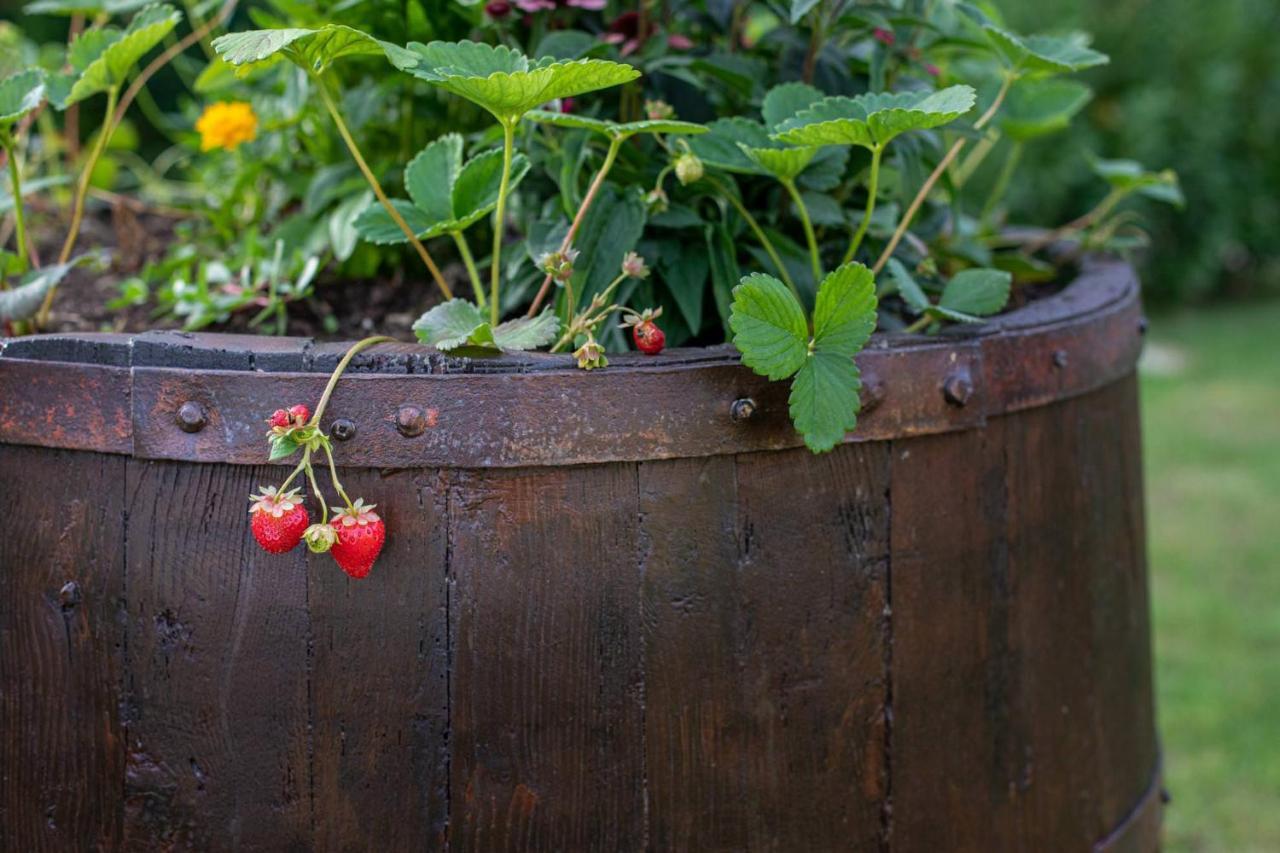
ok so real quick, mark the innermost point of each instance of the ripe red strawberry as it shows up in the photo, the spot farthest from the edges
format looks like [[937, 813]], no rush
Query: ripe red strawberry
[[278, 519], [279, 418], [361, 534], [300, 415], [649, 339]]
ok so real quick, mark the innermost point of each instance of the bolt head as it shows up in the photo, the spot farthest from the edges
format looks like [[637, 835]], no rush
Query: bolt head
[[343, 429], [1060, 358], [873, 392], [192, 416], [411, 421], [957, 389], [742, 410]]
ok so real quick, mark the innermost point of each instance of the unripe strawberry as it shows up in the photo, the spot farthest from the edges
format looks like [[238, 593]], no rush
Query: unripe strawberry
[[279, 418], [360, 536], [300, 415], [278, 519], [688, 168]]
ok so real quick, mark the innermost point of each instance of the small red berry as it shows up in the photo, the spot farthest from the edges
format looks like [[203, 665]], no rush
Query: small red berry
[[278, 520], [361, 534], [649, 339], [885, 37], [279, 418], [497, 9], [300, 414]]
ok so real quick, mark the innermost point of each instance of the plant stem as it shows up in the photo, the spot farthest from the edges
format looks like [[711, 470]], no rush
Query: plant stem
[[760, 235], [82, 192], [499, 222], [567, 243], [809, 236], [919, 325], [333, 475], [465, 251], [918, 201], [298, 469], [315, 488], [377, 187], [1100, 211], [873, 189], [15, 181], [1001, 185], [337, 372]]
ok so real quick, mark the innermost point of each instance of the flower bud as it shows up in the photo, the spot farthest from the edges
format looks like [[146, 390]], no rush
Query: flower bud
[[559, 265], [655, 201], [633, 266], [688, 168], [659, 110], [590, 355]]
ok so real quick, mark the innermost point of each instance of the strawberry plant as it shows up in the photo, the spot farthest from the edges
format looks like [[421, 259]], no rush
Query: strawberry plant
[[574, 177]]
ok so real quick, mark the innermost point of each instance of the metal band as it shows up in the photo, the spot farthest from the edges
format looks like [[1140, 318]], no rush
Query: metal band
[[412, 407], [1140, 828]]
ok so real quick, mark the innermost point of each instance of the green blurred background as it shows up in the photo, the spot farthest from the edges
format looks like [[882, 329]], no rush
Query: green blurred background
[[1194, 85]]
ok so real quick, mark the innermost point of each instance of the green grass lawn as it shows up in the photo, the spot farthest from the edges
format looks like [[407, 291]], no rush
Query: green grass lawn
[[1211, 397]]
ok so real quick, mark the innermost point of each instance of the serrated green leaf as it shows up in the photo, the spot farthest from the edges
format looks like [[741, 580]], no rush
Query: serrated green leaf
[[937, 312], [430, 176], [110, 67], [784, 163], [88, 46], [452, 324], [1131, 176], [826, 170], [20, 94], [23, 301], [824, 400], [475, 193], [769, 326], [1044, 54], [313, 49], [844, 314], [507, 83], [908, 289], [977, 292], [723, 145], [612, 129], [282, 446], [783, 101], [375, 225], [526, 333], [874, 119], [1035, 108]]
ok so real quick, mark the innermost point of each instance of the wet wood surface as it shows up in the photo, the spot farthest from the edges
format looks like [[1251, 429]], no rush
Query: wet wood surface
[[930, 643]]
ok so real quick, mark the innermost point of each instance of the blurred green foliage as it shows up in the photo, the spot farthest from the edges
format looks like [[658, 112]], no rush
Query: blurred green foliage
[[1192, 86]]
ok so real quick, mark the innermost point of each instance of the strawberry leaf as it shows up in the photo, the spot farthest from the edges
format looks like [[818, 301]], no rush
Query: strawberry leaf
[[282, 447], [526, 333], [769, 327], [505, 82], [844, 315], [1130, 176], [20, 94], [311, 49], [976, 293], [873, 120], [104, 61], [784, 101], [452, 324], [430, 176], [1036, 108], [1044, 54], [907, 287], [824, 399], [23, 301]]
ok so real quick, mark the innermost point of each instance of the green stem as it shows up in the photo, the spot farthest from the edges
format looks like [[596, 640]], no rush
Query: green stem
[[919, 325], [337, 372], [615, 145], [333, 475], [301, 466], [760, 235], [15, 181], [372, 180], [1001, 185], [1100, 212], [943, 165], [499, 219], [82, 192], [316, 493], [588, 322], [809, 236], [465, 251], [873, 188]]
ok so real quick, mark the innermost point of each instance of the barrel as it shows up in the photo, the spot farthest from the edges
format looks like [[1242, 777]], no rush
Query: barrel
[[618, 610]]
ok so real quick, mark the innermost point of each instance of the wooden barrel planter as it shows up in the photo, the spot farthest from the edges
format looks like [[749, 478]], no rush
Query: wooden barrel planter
[[618, 610]]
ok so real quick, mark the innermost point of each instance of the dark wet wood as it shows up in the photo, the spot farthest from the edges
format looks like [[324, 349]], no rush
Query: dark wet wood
[[918, 642]]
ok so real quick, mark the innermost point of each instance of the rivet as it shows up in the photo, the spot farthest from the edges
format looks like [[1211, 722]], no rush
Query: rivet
[[343, 429], [69, 595], [742, 410], [411, 421], [1060, 358], [957, 389], [192, 417], [1143, 325], [873, 392]]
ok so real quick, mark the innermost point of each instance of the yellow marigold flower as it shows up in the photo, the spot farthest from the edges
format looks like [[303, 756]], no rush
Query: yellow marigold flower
[[226, 124]]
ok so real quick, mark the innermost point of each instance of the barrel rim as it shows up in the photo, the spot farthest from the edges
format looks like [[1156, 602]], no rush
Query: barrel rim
[[415, 407]]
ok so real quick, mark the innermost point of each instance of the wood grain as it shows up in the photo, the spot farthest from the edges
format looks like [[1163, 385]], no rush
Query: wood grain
[[61, 642]]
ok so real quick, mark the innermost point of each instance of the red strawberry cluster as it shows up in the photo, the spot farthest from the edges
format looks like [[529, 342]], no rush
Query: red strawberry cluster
[[279, 518]]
